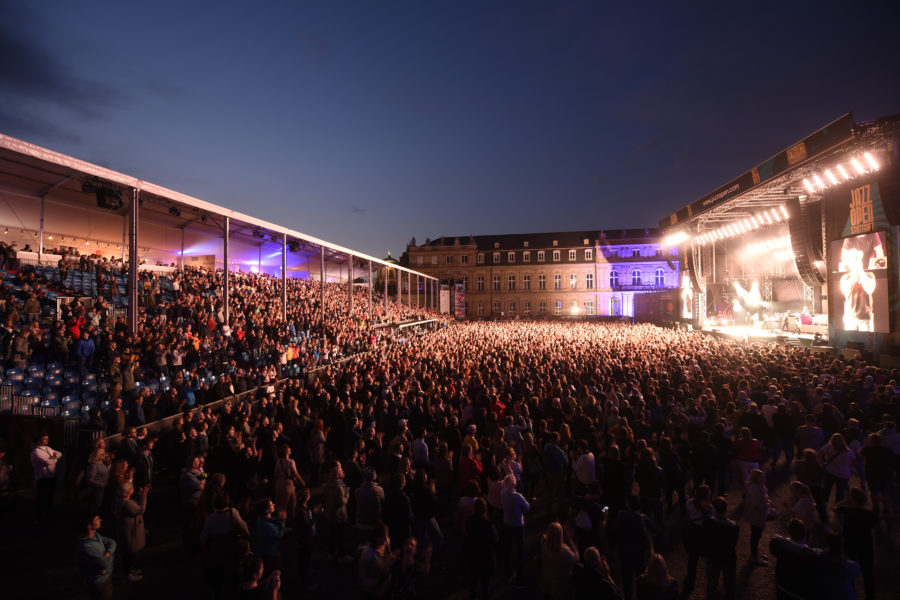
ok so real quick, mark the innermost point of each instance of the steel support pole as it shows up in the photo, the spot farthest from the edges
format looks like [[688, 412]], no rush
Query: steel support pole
[[409, 289], [399, 289], [284, 277], [225, 273], [133, 262], [41, 233], [182, 249], [322, 288], [384, 272], [417, 291], [350, 283], [371, 283]]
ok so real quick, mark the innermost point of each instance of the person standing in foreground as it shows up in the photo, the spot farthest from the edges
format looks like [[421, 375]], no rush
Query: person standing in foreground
[[44, 460], [94, 554]]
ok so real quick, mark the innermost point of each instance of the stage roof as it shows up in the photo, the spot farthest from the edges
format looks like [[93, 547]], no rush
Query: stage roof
[[30, 171], [772, 182]]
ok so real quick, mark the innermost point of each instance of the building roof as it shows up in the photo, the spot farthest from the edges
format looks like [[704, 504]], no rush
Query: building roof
[[564, 239]]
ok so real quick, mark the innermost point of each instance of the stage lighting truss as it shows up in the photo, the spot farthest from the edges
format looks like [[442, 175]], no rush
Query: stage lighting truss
[[840, 173], [779, 246], [676, 239], [771, 216]]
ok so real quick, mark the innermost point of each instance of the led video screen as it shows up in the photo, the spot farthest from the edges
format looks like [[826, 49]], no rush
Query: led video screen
[[859, 283], [687, 296]]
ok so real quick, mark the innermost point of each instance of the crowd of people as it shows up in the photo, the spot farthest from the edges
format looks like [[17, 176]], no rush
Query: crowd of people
[[183, 344], [454, 445]]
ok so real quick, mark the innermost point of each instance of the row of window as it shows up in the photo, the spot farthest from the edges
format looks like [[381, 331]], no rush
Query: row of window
[[541, 308], [526, 256], [659, 280]]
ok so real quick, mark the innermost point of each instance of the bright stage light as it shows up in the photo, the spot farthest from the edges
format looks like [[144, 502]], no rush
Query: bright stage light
[[831, 177], [858, 166], [784, 211], [871, 160], [843, 172]]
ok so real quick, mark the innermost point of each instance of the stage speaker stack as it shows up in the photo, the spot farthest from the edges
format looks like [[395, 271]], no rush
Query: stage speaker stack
[[805, 226], [694, 267]]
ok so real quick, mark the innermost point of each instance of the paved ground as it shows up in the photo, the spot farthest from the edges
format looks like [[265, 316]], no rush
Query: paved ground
[[36, 561]]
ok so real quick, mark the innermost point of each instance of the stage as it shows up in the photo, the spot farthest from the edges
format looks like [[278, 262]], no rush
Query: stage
[[772, 336]]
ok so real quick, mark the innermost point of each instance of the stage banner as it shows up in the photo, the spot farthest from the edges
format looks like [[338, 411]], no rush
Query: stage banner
[[824, 139], [861, 207], [459, 301], [445, 300]]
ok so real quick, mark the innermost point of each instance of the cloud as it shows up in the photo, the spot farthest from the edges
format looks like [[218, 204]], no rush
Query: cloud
[[357, 209], [32, 74]]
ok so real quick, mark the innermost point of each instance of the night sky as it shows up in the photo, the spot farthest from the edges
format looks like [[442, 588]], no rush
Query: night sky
[[369, 122]]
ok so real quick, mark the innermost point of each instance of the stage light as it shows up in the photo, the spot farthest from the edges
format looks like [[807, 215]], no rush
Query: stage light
[[776, 216], [51, 236], [6, 231], [87, 242], [843, 172], [809, 187], [819, 182], [676, 238], [173, 210], [871, 160], [831, 176], [784, 211], [858, 166]]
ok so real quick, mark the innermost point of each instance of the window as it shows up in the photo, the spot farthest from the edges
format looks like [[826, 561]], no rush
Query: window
[[464, 259], [434, 259], [542, 282], [588, 254], [526, 282], [496, 283], [614, 252], [659, 278], [511, 283], [613, 279], [526, 256], [496, 311], [589, 281], [635, 253], [658, 252], [480, 259], [556, 242], [573, 307], [420, 260], [526, 307], [556, 256], [557, 282], [573, 281], [479, 283], [572, 254], [525, 243], [496, 244], [542, 307], [589, 307], [512, 308], [636, 277], [511, 257], [540, 256], [465, 282], [496, 257], [481, 308], [557, 308], [449, 259]]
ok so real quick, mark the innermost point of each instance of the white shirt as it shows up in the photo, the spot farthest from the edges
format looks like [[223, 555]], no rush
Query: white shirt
[[43, 461]]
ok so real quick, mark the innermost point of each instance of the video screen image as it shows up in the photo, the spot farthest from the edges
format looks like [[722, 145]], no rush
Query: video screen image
[[860, 283]]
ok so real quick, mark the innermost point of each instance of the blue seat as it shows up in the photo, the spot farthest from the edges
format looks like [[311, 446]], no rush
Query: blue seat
[[15, 375], [34, 383]]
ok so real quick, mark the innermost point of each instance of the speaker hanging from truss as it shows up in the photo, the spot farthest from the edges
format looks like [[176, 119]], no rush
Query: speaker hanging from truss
[[805, 226]]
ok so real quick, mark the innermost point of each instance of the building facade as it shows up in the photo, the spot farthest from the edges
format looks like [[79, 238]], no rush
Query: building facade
[[557, 274]]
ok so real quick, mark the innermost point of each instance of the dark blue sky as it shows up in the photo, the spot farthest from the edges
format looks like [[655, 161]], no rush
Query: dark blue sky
[[367, 123]]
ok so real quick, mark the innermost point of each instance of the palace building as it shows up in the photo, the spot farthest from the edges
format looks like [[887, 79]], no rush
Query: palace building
[[556, 274]]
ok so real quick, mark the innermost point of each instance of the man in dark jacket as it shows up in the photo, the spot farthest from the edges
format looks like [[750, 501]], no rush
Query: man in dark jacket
[[721, 556], [796, 573]]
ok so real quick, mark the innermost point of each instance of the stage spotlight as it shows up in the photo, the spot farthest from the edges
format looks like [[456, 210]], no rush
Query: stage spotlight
[[173, 210]]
